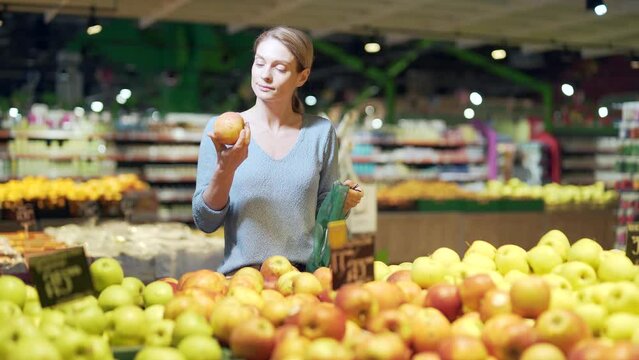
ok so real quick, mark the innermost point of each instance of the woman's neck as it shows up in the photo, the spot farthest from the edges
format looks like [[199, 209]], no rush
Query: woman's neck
[[276, 115]]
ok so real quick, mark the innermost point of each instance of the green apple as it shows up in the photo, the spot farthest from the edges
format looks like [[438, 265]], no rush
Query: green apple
[[129, 325], [479, 261], [115, 296], [556, 281], [135, 287], [91, 320], [34, 349], [154, 313], [160, 333], [32, 308], [562, 299], [635, 336], [543, 259], [585, 250], [8, 310], [623, 297], [100, 348], [482, 247], [445, 256], [74, 344], [200, 347], [159, 353], [105, 272], [558, 241], [615, 267], [13, 331], [190, 323], [511, 257], [514, 275], [600, 293], [157, 292], [52, 316], [427, 272], [32, 294], [578, 274], [593, 314], [620, 326], [407, 265], [379, 269], [13, 289]]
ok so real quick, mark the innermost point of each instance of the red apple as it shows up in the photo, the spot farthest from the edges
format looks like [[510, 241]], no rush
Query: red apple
[[227, 127], [300, 300], [392, 320], [386, 345], [591, 349], [388, 295], [400, 275], [426, 355], [357, 302], [291, 347], [429, 327], [494, 302], [247, 281], [325, 276], [276, 311], [253, 339], [462, 347], [530, 296], [322, 320], [203, 301], [445, 298], [274, 267], [206, 279], [506, 336], [543, 351], [624, 350], [171, 281], [411, 291], [326, 349], [306, 283], [178, 305], [562, 328], [473, 289], [227, 316]]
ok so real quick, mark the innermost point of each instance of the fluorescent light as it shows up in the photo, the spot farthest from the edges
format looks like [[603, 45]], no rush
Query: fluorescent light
[[475, 98], [567, 89], [120, 99], [603, 112], [369, 110], [377, 123], [310, 100], [601, 9], [498, 54], [13, 112], [469, 113], [97, 106], [95, 29], [372, 47], [126, 93]]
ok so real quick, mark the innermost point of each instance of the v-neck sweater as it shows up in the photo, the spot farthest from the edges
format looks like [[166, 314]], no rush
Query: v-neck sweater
[[272, 202]]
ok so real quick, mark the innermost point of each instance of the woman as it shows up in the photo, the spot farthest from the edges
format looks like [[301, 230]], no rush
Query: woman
[[266, 188]]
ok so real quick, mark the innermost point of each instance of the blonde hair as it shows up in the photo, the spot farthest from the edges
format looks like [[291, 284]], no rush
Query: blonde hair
[[299, 44]]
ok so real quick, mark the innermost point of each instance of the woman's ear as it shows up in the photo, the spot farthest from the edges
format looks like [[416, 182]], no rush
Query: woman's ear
[[302, 77]]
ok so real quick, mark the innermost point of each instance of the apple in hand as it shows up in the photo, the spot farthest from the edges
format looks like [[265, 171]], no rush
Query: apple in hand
[[227, 127], [13, 289], [105, 272], [530, 296], [200, 347], [445, 298], [253, 339], [511, 257], [558, 241], [157, 292], [587, 251], [543, 259]]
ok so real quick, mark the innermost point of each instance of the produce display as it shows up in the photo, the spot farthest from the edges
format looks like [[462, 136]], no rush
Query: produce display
[[554, 301]]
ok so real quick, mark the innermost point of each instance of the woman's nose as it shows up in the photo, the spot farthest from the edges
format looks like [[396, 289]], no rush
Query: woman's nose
[[266, 74]]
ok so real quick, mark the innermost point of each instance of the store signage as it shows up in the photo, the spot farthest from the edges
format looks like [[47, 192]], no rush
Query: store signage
[[632, 242], [61, 276], [25, 215], [353, 262]]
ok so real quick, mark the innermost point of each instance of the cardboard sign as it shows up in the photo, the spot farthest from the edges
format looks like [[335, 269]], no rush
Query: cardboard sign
[[632, 242], [25, 214], [353, 262], [363, 217], [61, 276]]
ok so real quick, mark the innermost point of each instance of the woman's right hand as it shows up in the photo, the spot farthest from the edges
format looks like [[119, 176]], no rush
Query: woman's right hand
[[229, 158]]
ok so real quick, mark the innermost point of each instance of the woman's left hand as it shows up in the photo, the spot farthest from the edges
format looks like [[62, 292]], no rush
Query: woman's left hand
[[354, 195]]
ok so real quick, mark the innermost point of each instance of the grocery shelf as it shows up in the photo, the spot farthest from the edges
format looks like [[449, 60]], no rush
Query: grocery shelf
[[60, 157], [582, 131], [156, 159], [169, 179], [169, 196], [52, 134], [372, 159], [417, 143], [166, 137]]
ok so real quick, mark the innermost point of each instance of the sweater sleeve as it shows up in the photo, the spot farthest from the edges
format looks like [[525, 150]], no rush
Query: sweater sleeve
[[329, 172], [205, 218]]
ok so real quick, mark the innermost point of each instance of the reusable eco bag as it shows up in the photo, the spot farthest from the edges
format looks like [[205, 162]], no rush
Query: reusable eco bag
[[330, 210]]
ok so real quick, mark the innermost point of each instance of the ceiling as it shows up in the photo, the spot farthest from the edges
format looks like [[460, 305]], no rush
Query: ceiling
[[535, 25]]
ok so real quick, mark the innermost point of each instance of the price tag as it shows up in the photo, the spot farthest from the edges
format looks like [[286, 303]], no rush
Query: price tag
[[25, 214], [61, 276], [632, 242], [353, 262]]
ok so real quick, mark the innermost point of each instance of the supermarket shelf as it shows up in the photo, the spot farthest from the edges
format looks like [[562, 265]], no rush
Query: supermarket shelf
[[156, 159], [177, 136], [167, 179], [580, 131], [369, 159], [417, 143], [462, 177], [172, 196], [53, 134], [588, 150], [176, 218], [60, 157], [167, 137]]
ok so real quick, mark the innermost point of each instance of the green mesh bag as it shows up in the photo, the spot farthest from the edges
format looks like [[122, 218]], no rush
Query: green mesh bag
[[330, 210]]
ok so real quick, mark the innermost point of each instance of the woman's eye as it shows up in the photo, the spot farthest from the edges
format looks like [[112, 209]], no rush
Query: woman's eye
[[281, 68], [257, 63]]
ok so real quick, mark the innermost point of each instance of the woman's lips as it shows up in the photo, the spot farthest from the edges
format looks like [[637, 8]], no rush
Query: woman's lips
[[265, 88]]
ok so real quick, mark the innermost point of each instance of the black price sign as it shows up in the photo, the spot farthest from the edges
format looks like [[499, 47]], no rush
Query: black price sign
[[353, 262], [61, 276], [632, 242], [25, 214]]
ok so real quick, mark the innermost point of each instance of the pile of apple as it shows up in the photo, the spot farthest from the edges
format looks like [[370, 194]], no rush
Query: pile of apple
[[554, 301]]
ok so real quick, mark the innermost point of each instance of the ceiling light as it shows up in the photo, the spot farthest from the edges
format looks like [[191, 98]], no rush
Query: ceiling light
[[469, 113], [498, 54], [13, 112], [97, 106], [2, 14], [93, 27], [567, 89], [597, 6], [369, 110], [372, 47], [475, 98], [310, 100], [125, 93], [603, 112], [120, 99], [377, 123]]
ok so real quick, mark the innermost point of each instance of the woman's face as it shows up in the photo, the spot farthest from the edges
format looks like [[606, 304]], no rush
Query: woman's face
[[274, 74]]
